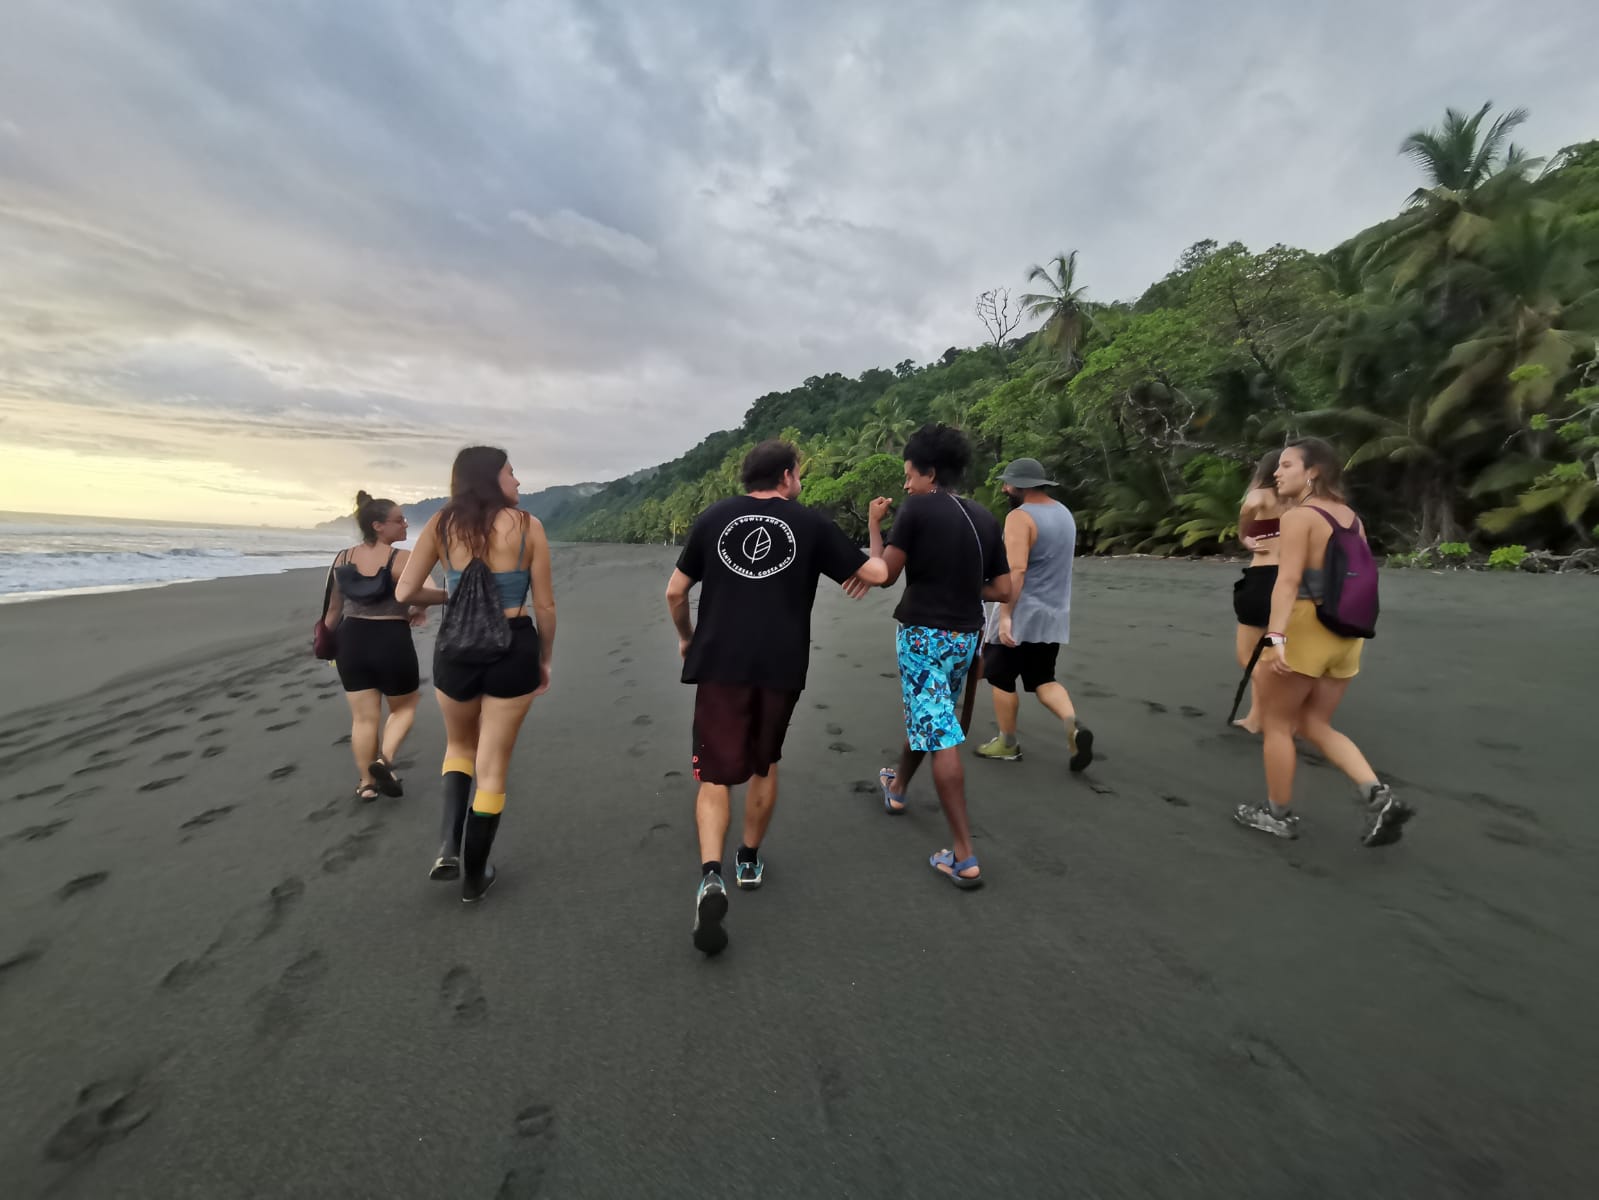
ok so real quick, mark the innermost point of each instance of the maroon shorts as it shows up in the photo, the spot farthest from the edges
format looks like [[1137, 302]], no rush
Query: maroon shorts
[[739, 730]]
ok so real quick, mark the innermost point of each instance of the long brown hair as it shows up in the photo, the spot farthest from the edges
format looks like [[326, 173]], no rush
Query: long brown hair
[[1328, 466], [1265, 469], [475, 499]]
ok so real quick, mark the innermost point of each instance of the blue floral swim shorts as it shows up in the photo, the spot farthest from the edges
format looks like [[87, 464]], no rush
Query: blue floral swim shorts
[[932, 671]]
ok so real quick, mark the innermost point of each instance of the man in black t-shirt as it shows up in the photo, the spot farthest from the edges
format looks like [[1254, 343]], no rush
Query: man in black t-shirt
[[952, 553], [756, 558]]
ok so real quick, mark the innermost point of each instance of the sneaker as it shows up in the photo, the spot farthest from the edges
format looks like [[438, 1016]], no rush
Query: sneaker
[[748, 875], [999, 751], [1385, 817], [710, 906], [1258, 816], [1082, 748]]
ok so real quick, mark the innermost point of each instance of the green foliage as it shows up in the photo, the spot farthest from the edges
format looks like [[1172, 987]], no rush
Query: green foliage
[[1507, 558], [1451, 353]]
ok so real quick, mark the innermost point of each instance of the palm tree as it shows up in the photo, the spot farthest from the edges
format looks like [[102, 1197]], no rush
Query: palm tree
[[1471, 176], [887, 429], [1066, 314]]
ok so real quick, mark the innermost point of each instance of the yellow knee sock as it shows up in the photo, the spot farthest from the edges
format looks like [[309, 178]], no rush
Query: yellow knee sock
[[462, 765], [488, 803]]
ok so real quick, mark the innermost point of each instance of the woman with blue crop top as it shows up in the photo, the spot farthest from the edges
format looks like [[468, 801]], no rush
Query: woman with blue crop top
[[376, 658], [484, 704]]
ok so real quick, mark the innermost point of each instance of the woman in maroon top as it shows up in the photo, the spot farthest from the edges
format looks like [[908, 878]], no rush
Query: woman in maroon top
[[1258, 529]]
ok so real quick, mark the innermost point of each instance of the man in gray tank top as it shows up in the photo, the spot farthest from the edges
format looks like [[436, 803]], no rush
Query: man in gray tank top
[[1024, 635]]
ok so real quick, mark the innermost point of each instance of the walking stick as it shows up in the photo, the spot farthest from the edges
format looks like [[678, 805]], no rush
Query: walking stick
[[1238, 698]]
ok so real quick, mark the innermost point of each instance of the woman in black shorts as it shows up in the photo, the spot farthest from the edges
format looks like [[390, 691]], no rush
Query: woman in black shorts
[[484, 703], [1258, 529], [376, 659]]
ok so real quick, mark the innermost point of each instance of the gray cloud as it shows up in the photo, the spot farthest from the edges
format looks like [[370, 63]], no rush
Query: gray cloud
[[594, 232]]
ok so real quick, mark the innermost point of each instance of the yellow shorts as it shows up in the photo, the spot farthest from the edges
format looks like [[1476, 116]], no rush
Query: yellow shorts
[[1317, 651]]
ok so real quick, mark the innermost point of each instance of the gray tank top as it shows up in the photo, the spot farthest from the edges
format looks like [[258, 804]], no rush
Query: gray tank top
[[1044, 612]]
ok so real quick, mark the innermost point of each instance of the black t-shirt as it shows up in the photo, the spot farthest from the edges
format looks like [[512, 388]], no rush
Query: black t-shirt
[[757, 562], [952, 548]]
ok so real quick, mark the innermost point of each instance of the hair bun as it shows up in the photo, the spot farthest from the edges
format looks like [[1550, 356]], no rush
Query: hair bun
[[362, 497]]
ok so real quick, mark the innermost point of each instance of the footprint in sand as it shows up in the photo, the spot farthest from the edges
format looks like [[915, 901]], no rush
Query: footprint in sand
[[279, 903], [643, 719], [461, 997], [208, 817], [110, 764], [266, 711], [349, 850], [155, 733], [283, 1007], [219, 715], [156, 785], [342, 741], [1154, 706], [819, 706], [38, 833], [281, 726], [834, 730], [533, 1147], [841, 748], [213, 733], [17, 959], [174, 756], [37, 792], [105, 1112], [672, 775], [284, 771], [82, 883], [1101, 790], [1188, 710], [213, 751]]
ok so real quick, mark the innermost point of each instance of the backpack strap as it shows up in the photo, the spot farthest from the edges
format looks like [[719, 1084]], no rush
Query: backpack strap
[[1331, 521]]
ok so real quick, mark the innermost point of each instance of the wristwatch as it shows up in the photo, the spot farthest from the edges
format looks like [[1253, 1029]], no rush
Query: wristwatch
[[1276, 639]]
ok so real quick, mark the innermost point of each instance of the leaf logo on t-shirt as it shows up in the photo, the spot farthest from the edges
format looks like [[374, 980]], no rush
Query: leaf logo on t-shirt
[[757, 546]]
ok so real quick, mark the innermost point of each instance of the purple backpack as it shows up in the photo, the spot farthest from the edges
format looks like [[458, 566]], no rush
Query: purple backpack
[[1349, 582]]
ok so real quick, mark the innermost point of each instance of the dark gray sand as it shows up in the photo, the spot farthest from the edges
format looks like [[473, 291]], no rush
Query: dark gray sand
[[222, 976]]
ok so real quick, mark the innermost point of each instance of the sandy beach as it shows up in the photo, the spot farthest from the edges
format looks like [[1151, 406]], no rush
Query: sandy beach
[[223, 976]]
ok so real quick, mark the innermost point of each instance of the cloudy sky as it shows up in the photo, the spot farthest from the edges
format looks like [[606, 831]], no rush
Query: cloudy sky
[[253, 256]]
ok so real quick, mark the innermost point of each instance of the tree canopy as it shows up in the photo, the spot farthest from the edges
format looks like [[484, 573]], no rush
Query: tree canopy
[[1448, 352]]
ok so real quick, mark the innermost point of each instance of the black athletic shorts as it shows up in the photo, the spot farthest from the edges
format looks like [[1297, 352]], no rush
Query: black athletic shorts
[[739, 730], [1252, 596], [376, 655], [1031, 662], [515, 673]]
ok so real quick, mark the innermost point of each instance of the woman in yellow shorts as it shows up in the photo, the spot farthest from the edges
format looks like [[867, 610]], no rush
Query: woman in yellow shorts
[[1306, 669]]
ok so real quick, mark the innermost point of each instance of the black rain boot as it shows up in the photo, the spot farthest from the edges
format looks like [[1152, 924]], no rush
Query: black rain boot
[[476, 874], [457, 792]]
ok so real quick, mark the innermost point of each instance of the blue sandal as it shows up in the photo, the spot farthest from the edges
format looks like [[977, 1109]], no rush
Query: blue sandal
[[944, 863], [885, 777]]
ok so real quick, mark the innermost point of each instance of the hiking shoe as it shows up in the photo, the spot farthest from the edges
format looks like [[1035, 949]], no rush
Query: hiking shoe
[[999, 751], [1258, 816], [1082, 748], [710, 906], [1385, 817], [748, 874]]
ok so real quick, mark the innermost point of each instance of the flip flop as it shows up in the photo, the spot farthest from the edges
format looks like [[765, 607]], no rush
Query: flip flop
[[387, 781], [944, 863], [885, 777]]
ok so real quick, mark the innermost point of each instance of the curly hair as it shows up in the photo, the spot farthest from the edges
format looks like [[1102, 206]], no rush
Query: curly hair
[[940, 451]]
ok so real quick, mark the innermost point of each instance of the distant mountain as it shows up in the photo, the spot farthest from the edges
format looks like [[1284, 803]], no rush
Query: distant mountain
[[547, 505]]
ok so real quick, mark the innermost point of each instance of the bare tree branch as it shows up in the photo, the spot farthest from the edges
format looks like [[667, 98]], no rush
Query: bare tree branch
[[993, 310]]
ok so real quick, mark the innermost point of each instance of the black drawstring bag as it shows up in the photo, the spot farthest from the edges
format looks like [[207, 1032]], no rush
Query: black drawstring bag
[[474, 628]]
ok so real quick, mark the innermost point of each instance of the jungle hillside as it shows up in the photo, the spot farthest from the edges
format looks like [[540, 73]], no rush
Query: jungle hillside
[[1449, 352]]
